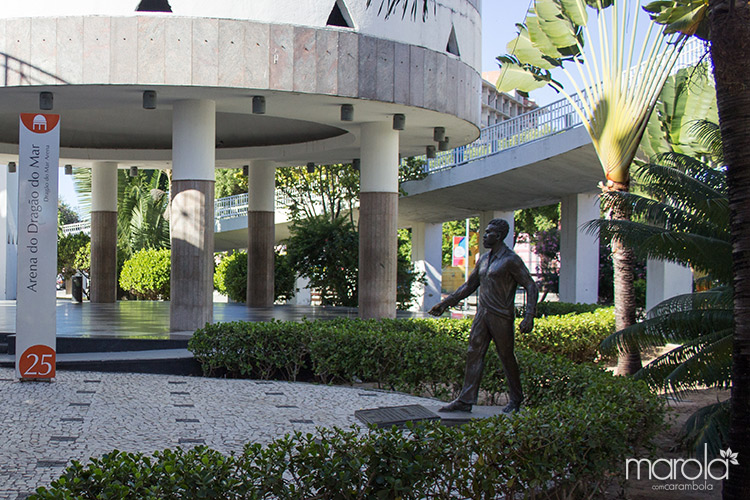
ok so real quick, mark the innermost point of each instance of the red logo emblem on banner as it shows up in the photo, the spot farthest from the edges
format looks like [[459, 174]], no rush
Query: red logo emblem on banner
[[39, 123]]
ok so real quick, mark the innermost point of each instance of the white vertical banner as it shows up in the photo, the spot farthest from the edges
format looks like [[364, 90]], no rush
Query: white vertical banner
[[38, 159]]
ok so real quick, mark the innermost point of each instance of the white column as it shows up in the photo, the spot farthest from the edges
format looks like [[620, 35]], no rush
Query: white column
[[665, 280], [426, 253], [484, 220], [194, 140], [378, 214], [8, 233], [104, 186], [192, 213], [579, 250]]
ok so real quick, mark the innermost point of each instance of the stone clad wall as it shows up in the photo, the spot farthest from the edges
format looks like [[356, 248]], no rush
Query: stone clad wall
[[432, 33], [161, 50]]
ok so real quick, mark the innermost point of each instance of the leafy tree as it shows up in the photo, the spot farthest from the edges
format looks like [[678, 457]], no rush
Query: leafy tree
[[411, 169], [727, 24], [284, 276], [66, 214], [331, 191], [326, 251], [230, 182], [533, 220], [547, 247], [67, 249], [82, 259]]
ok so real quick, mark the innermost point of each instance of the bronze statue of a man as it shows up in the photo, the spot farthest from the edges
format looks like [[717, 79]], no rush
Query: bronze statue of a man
[[497, 275]]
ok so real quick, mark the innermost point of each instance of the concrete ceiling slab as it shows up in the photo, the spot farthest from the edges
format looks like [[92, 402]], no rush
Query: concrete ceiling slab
[[534, 174]]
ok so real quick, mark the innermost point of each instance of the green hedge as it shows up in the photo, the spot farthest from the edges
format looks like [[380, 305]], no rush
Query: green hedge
[[146, 274], [415, 355], [575, 336], [580, 425]]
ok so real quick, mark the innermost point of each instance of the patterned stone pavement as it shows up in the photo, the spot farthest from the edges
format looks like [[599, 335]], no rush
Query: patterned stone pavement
[[84, 414]]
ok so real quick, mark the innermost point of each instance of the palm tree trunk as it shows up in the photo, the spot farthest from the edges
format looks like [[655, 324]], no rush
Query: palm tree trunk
[[730, 51], [623, 261]]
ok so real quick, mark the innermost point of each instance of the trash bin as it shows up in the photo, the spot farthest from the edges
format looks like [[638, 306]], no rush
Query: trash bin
[[77, 288]]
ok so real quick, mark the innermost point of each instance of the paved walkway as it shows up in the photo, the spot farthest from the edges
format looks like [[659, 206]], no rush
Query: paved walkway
[[84, 414]]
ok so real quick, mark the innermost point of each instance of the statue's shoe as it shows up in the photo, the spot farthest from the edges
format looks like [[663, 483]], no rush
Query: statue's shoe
[[512, 407], [456, 406]]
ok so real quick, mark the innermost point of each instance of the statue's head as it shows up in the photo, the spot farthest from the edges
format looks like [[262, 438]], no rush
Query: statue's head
[[496, 231]]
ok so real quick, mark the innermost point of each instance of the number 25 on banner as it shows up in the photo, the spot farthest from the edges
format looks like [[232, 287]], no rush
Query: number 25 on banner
[[38, 361]]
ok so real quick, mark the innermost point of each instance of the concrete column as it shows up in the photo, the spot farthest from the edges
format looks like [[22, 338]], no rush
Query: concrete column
[[8, 233], [260, 233], [486, 217], [665, 280], [192, 214], [579, 250], [104, 232], [426, 253], [378, 213]]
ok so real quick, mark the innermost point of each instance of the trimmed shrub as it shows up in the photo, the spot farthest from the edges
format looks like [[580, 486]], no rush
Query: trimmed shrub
[[146, 274], [230, 277], [580, 425]]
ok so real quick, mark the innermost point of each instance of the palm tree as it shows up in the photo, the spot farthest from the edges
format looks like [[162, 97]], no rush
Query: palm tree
[[142, 202], [726, 23], [142, 205], [730, 53], [682, 216]]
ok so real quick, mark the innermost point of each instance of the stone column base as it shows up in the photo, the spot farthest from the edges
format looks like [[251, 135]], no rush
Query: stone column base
[[260, 277], [103, 257], [377, 254], [191, 290]]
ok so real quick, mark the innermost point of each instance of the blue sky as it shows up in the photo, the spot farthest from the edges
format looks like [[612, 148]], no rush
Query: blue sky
[[499, 18]]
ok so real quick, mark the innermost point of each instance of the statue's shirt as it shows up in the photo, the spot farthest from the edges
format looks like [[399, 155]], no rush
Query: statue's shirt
[[497, 276]]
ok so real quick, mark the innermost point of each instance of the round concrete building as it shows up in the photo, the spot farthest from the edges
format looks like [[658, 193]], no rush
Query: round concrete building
[[197, 85]]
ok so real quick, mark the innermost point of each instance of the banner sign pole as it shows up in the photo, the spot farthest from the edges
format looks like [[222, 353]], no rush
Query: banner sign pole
[[38, 161]]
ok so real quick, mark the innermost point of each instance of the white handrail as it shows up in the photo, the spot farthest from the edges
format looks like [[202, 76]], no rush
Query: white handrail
[[76, 227]]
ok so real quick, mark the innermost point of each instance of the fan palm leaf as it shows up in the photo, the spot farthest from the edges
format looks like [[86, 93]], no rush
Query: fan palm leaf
[[709, 426], [705, 218], [662, 373], [682, 326], [694, 250]]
